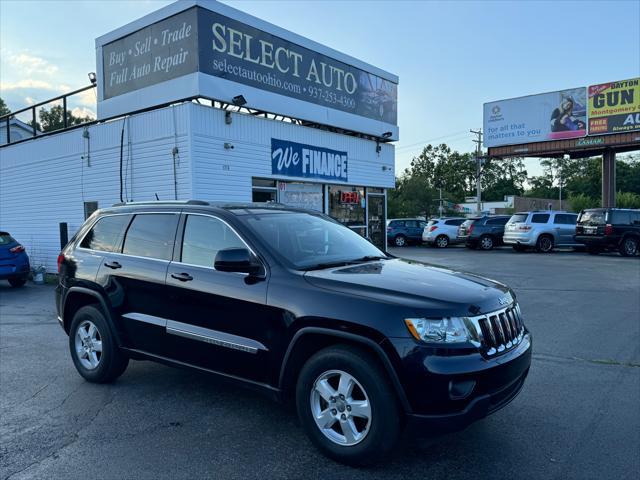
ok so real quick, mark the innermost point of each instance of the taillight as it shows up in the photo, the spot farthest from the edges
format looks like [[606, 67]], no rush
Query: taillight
[[470, 229], [17, 249], [432, 228], [60, 260], [608, 229]]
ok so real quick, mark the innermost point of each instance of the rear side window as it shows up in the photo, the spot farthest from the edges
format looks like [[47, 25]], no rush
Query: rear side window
[[620, 218], [497, 221], [566, 219], [151, 235], [411, 223], [204, 237], [456, 222], [540, 218], [106, 234], [396, 224], [6, 239], [518, 218]]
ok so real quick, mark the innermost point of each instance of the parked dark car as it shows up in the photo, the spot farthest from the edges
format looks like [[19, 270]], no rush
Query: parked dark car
[[296, 305], [483, 232], [404, 231], [605, 229], [14, 261]]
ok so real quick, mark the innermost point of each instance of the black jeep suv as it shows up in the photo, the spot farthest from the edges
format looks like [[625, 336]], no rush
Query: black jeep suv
[[294, 304], [603, 229]]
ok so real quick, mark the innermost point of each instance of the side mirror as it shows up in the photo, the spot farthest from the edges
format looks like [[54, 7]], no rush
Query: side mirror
[[237, 260]]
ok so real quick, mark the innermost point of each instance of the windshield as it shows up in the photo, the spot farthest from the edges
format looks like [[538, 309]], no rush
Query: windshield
[[591, 217], [305, 241], [518, 218]]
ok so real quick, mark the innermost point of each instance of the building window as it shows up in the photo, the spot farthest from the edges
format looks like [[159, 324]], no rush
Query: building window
[[89, 208], [264, 190], [347, 205]]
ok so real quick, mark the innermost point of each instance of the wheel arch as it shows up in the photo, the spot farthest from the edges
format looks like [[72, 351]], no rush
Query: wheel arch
[[310, 340], [78, 297]]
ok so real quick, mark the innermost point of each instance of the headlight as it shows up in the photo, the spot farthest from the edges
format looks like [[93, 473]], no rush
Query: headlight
[[441, 330]]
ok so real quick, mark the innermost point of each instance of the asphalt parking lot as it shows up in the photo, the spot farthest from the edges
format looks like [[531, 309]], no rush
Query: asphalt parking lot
[[578, 415]]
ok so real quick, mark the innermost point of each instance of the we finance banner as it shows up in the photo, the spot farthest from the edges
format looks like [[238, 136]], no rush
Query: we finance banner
[[614, 107]]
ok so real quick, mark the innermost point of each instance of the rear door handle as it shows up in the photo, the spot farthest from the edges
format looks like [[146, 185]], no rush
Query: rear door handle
[[183, 277], [112, 265]]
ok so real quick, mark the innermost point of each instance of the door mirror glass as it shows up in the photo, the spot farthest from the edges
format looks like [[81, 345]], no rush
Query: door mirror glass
[[237, 260]]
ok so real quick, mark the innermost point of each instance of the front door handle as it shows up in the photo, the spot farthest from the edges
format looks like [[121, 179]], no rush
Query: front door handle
[[183, 277], [112, 265]]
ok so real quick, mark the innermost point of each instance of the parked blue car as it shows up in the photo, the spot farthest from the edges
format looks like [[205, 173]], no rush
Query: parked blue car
[[403, 231], [14, 261]]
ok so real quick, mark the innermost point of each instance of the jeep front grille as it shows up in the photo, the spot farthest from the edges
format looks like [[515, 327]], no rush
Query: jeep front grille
[[498, 331]]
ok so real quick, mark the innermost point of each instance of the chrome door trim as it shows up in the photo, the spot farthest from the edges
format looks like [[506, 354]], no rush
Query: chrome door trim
[[206, 335]]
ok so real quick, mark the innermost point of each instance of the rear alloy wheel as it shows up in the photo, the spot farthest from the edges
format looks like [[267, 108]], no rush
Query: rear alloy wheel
[[442, 241], [486, 242], [629, 247], [17, 282], [400, 241], [544, 244]]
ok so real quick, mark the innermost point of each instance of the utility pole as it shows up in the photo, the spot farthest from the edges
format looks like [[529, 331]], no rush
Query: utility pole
[[440, 208], [478, 143]]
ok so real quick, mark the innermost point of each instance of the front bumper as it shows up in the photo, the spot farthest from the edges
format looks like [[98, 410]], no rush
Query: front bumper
[[432, 376]]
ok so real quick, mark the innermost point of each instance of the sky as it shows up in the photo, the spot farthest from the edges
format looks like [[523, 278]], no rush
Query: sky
[[451, 56]]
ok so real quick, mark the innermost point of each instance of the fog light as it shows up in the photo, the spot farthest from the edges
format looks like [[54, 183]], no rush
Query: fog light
[[461, 389]]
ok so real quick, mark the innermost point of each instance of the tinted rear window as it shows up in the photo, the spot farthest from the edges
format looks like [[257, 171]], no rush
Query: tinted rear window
[[497, 221], [151, 235], [565, 219], [518, 218], [591, 217], [6, 239], [620, 218], [455, 222], [105, 234], [396, 224], [540, 218]]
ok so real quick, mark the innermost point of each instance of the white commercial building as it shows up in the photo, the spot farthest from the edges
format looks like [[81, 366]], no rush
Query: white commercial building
[[196, 142]]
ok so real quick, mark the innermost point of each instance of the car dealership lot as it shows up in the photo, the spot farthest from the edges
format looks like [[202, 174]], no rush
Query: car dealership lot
[[577, 416]]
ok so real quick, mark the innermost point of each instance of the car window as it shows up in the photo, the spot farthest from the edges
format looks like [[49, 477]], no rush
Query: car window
[[151, 235], [6, 239], [397, 224], [497, 221], [540, 218], [592, 217], [422, 224], [566, 219], [105, 235], [620, 218], [518, 218], [204, 237], [635, 218], [456, 221], [410, 223]]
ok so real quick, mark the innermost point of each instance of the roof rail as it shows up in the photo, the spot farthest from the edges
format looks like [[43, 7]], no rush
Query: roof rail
[[162, 202]]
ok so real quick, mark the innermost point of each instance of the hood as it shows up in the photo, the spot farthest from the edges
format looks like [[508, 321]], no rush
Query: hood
[[415, 284]]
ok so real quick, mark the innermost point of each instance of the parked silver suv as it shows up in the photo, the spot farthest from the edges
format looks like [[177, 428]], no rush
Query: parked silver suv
[[542, 230]]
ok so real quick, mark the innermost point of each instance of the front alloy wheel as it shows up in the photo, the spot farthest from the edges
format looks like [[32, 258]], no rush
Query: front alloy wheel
[[442, 241], [340, 408]]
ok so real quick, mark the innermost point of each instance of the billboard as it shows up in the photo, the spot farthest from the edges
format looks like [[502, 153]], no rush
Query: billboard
[[536, 118], [297, 160], [214, 51], [614, 107]]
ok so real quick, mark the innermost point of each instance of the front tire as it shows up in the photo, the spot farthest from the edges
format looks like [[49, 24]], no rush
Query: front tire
[[93, 347], [347, 405], [629, 247]]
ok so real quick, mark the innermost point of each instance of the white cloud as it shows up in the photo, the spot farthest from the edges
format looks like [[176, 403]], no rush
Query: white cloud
[[83, 112], [28, 83], [27, 64]]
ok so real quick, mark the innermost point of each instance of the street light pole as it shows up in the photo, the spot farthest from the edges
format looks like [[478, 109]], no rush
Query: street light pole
[[478, 143]]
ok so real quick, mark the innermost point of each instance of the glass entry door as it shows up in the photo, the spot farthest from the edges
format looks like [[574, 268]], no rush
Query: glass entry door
[[376, 220]]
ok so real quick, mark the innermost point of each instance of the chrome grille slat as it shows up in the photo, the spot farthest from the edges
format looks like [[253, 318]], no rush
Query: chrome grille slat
[[499, 331]]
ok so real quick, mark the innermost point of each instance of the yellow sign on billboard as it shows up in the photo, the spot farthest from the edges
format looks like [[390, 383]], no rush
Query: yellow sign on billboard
[[614, 107]]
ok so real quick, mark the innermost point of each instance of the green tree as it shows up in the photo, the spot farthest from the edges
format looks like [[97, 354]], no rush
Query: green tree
[[627, 200], [4, 110], [580, 201], [52, 119]]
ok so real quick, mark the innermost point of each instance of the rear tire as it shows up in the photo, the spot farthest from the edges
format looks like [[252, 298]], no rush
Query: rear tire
[[544, 244], [374, 436], [486, 242], [442, 241], [93, 347], [629, 247], [400, 241], [17, 282]]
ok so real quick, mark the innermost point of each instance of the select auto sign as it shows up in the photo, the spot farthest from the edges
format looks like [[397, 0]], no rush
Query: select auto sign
[[291, 159]]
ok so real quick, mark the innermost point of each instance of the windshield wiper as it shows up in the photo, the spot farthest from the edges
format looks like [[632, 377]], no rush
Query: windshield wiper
[[344, 263], [369, 258]]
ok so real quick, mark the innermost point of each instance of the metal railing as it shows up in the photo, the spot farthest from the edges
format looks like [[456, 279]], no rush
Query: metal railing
[[34, 124]]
